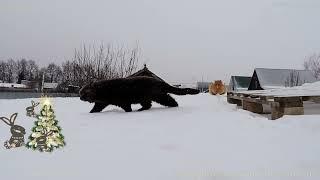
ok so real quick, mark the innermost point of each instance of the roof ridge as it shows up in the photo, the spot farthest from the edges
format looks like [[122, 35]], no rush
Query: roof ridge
[[241, 76], [282, 69], [145, 69]]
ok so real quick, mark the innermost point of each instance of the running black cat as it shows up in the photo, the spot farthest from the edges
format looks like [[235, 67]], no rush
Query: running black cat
[[123, 92]]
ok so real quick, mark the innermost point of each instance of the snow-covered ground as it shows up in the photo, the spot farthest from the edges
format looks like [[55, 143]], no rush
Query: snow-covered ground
[[204, 138]]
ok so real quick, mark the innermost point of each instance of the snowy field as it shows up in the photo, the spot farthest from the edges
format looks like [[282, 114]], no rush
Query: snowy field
[[204, 138]]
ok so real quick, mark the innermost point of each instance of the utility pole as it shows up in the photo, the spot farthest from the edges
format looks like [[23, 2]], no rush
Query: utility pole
[[202, 84], [42, 82]]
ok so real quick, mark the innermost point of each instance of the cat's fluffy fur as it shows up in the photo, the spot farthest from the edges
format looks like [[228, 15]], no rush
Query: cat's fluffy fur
[[123, 92], [217, 88]]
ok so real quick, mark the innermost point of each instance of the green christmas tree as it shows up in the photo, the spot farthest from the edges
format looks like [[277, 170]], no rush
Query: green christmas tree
[[46, 134]]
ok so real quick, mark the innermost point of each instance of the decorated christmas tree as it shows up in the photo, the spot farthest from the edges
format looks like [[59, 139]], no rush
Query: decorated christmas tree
[[46, 134]]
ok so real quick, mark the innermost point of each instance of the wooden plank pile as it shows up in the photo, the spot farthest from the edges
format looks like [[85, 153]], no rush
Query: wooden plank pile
[[280, 103]]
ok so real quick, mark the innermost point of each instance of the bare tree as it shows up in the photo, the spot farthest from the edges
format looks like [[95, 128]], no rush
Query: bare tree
[[18, 70], [21, 70], [92, 63], [312, 63], [3, 75], [11, 71], [67, 72], [294, 79], [53, 73], [32, 69], [89, 63]]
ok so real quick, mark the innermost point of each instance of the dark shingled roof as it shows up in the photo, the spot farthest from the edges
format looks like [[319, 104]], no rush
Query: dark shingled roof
[[145, 72]]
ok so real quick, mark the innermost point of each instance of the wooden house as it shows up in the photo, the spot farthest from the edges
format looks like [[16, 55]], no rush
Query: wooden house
[[146, 72]]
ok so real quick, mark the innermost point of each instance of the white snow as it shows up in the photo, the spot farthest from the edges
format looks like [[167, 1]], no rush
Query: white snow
[[307, 89], [314, 86], [204, 138]]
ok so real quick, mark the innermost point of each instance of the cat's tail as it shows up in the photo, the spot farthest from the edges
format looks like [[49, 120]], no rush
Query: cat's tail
[[182, 91]]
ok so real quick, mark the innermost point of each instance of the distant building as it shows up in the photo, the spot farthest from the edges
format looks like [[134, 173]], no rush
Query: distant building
[[73, 89], [239, 83], [184, 85], [189, 85], [31, 84], [146, 72], [263, 79], [12, 85], [203, 86], [50, 86]]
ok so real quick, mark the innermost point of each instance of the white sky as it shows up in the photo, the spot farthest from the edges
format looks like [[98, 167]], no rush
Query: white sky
[[182, 40]]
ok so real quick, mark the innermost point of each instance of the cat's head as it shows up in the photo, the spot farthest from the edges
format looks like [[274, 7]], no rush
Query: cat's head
[[88, 93]]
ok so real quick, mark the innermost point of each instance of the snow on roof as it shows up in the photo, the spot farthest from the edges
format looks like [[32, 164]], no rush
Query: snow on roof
[[50, 85], [307, 89], [314, 86], [275, 78], [10, 85]]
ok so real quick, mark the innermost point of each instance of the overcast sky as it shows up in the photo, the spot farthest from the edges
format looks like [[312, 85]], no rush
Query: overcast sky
[[181, 40]]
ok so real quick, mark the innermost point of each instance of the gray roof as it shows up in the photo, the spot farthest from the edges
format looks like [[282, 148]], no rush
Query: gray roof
[[273, 78], [239, 83]]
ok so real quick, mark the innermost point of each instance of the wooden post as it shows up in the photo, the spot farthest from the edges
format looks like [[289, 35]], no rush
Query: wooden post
[[286, 106], [252, 106], [276, 111], [234, 101], [315, 99]]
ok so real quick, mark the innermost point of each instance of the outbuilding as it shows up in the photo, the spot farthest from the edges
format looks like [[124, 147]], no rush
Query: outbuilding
[[263, 79], [239, 83], [145, 72]]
